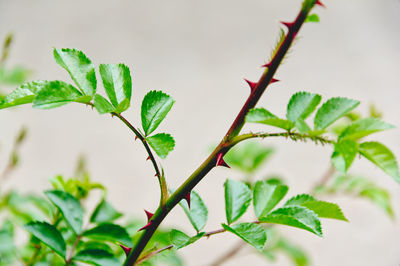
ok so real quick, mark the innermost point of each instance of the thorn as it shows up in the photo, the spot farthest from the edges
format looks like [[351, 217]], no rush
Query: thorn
[[220, 161], [251, 84], [289, 25], [136, 137], [156, 175], [146, 226], [126, 249], [149, 215], [267, 65], [319, 3], [148, 158], [274, 80], [187, 198]]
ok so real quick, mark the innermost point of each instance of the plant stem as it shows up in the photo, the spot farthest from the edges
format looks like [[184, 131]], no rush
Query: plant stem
[[234, 130], [232, 252], [71, 254]]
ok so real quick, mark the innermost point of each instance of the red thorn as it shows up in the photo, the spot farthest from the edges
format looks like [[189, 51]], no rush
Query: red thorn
[[251, 84], [148, 158], [126, 249], [220, 161], [136, 137], [268, 65], [319, 3], [274, 80], [145, 227], [187, 198], [148, 214], [288, 24]]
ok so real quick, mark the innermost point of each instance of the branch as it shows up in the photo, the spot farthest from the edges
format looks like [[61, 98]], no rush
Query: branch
[[256, 93]]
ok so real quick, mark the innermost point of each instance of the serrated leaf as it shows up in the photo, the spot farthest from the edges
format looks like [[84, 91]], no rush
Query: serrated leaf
[[237, 199], [49, 235], [104, 212], [248, 156], [102, 105], [300, 106], [382, 157], [344, 154], [198, 212], [96, 257], [266, 197], [57, 93], [161, 143], [263, 116], [364, 127], [322, 208], [179, 239], [296, 216], [155, 106], [79, 67], [109, 232], [70, 208], [299, 199], [25, 93], [332, 110], [117, 83], [312, 18], [252, 233]]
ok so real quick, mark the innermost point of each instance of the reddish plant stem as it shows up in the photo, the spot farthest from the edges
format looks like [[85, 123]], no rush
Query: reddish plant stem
[[223, 147]]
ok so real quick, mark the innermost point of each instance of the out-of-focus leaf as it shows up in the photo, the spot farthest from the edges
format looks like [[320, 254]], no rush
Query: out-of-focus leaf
[[104, 212], [312, 18], [97, 257]]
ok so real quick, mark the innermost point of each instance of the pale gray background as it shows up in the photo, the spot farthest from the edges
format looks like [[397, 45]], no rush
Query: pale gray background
[[198, 52]]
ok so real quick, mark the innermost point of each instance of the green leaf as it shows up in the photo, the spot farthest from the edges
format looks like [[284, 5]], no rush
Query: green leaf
[[109, 232], [382, 157], [266, 197], [312, 18], [14, 76], [322, 208], [332, 110], [97, 257], [380, 197], [49, 235], [344, 154], [117, 83], [179, 239], [102, 105], [298, 256], [104, 212], [325, 209], [162, 144], [237, 199], [57, 93], [301, 105], [296, 216], [248, 156], [155, 106], [198, 212], [79, 67], [25, 93], [364, 127], [252, 233], [263, 116], [299, 199], [70, 208]]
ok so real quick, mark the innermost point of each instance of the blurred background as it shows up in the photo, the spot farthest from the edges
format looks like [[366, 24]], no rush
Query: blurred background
[[199, 52]]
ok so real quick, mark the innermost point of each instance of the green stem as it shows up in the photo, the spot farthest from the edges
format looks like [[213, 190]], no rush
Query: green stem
[[224, 146]]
